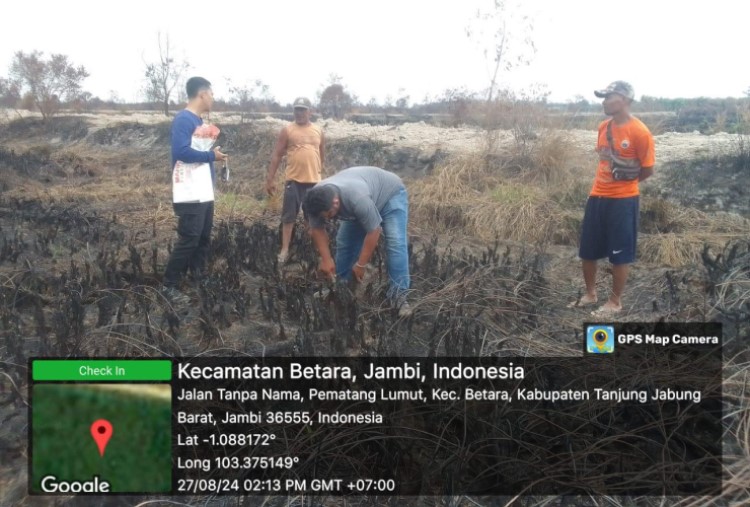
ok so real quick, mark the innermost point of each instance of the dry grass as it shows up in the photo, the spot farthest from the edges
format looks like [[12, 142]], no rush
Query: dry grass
[[660, 216], [552, 157], [674, 235], [680, 249], [536, 194], [669, 249], [231, 205], [530, 193], [517, 213], [737, 473]]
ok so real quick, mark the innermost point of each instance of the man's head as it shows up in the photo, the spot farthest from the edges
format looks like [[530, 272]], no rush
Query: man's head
[[617, 97], [302, 111], [322, 201], [199, 93]]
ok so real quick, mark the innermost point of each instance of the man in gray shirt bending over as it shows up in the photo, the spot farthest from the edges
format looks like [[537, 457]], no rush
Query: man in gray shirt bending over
[[369, 201]]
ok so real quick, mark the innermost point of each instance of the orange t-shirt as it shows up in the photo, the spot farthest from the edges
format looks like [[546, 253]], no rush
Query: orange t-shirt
[[630, 140], [303, 153]]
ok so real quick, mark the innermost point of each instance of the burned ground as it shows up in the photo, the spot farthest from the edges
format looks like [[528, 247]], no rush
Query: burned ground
[[86, 227]]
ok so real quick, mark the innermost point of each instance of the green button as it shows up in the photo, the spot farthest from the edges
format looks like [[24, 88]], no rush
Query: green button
[[101, 370]]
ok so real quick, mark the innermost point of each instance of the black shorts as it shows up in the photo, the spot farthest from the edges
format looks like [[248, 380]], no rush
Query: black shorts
[[610, 229], [294, 194]]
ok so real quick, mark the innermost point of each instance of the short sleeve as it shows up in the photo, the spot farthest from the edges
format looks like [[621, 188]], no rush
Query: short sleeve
[[645, 149]]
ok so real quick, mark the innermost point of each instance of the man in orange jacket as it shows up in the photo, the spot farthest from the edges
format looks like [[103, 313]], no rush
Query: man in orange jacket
[[610, 223]]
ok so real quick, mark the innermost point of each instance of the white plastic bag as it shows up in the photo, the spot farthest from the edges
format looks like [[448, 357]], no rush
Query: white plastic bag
[[192, 182]]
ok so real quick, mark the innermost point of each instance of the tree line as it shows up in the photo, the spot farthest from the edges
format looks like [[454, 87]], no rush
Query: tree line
[[50, 83]]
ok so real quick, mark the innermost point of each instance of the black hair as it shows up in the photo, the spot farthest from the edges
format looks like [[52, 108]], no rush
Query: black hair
[[318, 200], [195, 84]]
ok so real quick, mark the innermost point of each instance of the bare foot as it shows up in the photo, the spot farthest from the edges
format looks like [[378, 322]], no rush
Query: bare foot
[[585, 300], [607, 309]]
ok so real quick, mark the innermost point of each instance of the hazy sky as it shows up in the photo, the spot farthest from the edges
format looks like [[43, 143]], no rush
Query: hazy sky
[[664, 48]]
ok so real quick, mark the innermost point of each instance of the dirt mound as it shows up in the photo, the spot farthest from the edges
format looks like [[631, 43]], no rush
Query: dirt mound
[[55, 129], [709, 184], [43, 163], [132, 134]]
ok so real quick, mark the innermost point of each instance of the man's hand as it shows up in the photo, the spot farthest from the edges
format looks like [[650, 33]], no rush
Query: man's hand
[[219, 155], [646, 172], [358, 272], [270, 187], [368, 247], [328, 267]]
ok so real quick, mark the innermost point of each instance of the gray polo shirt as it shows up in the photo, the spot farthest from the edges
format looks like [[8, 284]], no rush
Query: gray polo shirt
[[363, 192]]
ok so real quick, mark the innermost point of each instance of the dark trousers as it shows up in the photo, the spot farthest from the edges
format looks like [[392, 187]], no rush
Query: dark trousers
[[195, 221]]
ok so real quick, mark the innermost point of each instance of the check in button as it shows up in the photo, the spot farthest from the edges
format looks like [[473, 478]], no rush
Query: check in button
[[101, 370]]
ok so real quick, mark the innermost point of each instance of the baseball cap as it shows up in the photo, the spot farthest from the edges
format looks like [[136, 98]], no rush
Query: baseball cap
[[620, 87], [302, 102]]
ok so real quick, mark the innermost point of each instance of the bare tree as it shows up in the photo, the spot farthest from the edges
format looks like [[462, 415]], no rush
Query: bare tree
[[402, 103], [10, 96], [334, 100], [458, 102], [164, 75], [46, 82], [10, 93], [505, 36], [251, 97]]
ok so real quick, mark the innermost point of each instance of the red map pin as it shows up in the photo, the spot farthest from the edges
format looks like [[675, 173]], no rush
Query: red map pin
[[101, 431]]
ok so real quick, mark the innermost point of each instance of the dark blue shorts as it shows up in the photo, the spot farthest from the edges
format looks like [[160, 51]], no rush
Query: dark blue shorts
[[610, 229]]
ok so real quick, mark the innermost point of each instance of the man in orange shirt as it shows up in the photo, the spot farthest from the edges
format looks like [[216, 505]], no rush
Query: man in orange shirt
[[610, 223], [304, 146]]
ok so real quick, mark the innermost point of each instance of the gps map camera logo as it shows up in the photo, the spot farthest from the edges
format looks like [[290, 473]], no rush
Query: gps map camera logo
[[600, 339]]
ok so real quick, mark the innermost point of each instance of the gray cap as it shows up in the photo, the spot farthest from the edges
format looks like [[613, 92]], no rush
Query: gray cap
[[302, 102], [619, 87]]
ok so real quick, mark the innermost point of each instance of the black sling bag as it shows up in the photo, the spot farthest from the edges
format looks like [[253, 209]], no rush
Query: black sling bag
[[623, 169]]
